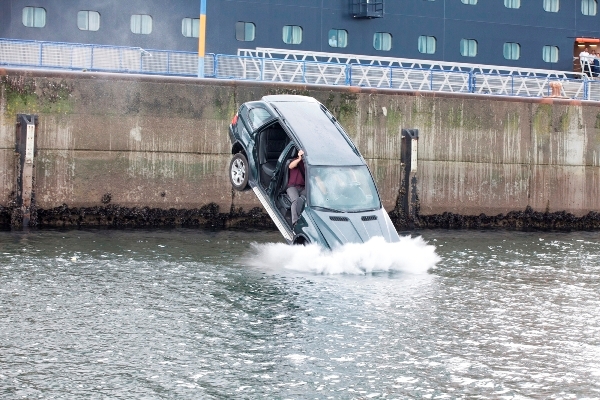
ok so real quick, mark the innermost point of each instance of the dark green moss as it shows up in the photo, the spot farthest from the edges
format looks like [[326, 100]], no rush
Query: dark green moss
[[459, 118], [542, 119], [111, 215], [27, 95], [299, 92], [527, 220], [19, 92], [394, 120], [224, 105]]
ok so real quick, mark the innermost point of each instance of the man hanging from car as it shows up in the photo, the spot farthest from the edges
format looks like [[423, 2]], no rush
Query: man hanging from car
[[296, 184]]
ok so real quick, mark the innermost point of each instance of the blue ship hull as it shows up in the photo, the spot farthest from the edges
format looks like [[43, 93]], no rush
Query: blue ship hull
[[490, 24]]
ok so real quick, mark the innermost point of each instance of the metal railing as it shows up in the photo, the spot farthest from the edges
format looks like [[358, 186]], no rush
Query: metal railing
[[409, 79], [74, 56], [304, 67], [273, 70], [340, 58], [422, 75], [533, 86]]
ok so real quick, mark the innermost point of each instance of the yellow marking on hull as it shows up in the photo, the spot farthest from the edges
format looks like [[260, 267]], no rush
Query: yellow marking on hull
[[202, 36]]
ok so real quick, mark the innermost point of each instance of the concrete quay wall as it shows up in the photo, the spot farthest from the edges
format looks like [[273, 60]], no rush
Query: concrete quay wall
[[117, 149]]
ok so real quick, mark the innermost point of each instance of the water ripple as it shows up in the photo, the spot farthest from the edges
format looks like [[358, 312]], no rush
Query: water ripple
[[179, 314]]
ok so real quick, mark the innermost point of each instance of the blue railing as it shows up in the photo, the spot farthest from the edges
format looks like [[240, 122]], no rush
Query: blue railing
[[74, 56], [85, 57]]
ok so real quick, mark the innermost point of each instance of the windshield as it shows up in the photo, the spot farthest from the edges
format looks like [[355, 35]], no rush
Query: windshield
[[347, 189]]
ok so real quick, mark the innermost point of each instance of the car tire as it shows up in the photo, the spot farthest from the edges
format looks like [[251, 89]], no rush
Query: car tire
[[238, 172], [301, 241]]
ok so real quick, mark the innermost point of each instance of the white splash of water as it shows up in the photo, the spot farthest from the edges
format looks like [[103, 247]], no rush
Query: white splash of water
[[411, 255]]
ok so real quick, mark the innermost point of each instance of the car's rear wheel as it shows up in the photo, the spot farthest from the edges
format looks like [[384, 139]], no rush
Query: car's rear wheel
[[238, 172]]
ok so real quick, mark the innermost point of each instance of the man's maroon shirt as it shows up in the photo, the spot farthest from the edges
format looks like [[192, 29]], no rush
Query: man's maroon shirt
[[297, 175]]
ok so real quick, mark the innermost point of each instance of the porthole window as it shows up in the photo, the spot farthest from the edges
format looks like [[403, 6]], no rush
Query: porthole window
[[512, 51], [245, 31], [427, 44], [88, 20], [34, 17], [338, 38], [141, 24], [382, 41], [469, 2], [512, 3], [468, 47], [292, 34], [550, 54], [551, 5], [589, 7], [190, 27]]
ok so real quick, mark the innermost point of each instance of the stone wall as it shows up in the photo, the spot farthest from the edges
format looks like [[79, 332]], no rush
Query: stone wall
[[157, 149]]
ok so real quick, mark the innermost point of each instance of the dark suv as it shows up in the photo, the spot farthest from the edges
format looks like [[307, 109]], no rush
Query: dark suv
[[341, 205]]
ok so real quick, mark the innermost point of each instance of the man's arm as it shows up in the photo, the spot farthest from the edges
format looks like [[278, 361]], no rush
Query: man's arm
[[297, 160]]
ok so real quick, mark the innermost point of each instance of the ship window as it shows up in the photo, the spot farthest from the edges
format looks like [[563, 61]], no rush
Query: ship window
[[245, 31], [338, 38], [588, 7], [88, 20], [190, 27], [34, 17], [512, 51], [141, 24], [551, 5], [550, 54], [470, 2], [468, 47], [512, 3], [382, 41], [292, 34], [427, 44]]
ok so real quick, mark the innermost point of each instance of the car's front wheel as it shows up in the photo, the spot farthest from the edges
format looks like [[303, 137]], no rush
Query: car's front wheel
[[238, 172], [301, 241]]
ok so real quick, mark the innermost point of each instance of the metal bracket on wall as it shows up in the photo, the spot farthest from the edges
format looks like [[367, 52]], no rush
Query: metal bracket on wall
[[25, 148]]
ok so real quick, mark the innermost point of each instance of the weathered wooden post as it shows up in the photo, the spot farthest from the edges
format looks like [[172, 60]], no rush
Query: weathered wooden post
[[25, 148], [408, 157]]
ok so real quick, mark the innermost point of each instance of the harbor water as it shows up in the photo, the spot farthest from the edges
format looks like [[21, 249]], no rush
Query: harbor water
[[192, 314]]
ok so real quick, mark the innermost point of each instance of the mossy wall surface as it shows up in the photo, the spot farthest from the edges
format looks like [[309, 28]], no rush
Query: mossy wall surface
[[162, 143]]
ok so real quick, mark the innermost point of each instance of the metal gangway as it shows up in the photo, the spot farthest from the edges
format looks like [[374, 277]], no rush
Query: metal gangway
[[430, 75], [356, 59], [288, 66]]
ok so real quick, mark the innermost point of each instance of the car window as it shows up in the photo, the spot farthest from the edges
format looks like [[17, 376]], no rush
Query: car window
[[258, 116], [347, 188]]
